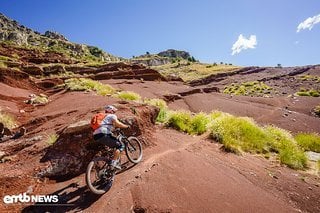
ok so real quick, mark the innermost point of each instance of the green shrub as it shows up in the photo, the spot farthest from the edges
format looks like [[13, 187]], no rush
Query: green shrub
[[216, 114], [7, 120], [302, 93], [84, 84], [314, 93], [156, 102], [3, 65], [52, 138], [131, 96], [184, 121], [40, 100], [180, 120], [239, 134], [309, 78], [305, 92], [282, 142], [199, 123], [163, 113], [308, 141], [95, 51], [248, 88], [293, 158]]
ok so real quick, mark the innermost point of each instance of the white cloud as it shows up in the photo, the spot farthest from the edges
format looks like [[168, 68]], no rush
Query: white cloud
[[308, 23], [243, 43]]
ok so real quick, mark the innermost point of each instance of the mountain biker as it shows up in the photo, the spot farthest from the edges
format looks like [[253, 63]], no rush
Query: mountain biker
[[104, 135]]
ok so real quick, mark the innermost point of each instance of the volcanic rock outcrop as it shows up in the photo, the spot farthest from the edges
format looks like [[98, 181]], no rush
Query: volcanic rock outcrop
[[74, 148]]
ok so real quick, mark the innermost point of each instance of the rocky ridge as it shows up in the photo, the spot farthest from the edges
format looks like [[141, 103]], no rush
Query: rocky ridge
[[161, 58], [14, 33]]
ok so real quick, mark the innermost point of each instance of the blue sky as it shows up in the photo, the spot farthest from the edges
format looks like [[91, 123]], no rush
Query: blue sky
[[207, 29]]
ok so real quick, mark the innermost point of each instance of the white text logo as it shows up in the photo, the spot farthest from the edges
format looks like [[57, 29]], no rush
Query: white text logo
[[24, 198]]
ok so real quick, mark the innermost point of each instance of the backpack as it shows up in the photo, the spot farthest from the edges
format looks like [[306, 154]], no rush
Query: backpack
[[97, 119]]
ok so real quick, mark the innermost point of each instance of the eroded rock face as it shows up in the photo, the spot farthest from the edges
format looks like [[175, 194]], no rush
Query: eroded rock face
[[53, 69], [55, 35], [152, 61], [32, 69], [71, 153], [126, 71], [171, 53]]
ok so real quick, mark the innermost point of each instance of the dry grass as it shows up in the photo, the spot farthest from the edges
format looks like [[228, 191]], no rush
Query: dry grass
[[8, 120], [189, 71]]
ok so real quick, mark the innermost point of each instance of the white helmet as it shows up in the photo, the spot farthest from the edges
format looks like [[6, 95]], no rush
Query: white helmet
[[110, 109]]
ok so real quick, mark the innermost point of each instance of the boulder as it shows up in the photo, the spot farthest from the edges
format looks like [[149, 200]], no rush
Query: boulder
[[313, 156], [171, 53], [73, 150], [55, 35]]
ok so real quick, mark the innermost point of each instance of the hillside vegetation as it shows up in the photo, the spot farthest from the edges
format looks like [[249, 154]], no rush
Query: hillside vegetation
[[189, 71], [243, 134]]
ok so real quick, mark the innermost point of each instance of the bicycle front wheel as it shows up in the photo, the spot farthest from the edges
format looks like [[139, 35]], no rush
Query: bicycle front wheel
[[134, 150]]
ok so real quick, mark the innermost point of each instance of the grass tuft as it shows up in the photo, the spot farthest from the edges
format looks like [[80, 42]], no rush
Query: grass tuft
[[199, 123], [156, 102], [180, 120], [52, 138], [163, 113], [239, 134], [84, 84], [253, 88], [3, 65], [308, 141], [184, 121], [311, 92], [7, 120], [192, 71], [130, 96], [282, 142]]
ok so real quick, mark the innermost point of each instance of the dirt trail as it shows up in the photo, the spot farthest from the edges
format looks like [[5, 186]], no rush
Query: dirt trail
[[189, 174]]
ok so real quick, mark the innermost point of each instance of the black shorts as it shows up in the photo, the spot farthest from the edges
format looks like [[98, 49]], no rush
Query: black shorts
[[108, 140]]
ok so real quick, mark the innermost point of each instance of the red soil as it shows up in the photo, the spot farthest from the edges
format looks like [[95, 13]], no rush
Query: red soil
[[180, 173]]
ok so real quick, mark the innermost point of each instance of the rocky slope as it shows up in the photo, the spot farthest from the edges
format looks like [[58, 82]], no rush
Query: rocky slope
[[179, 172], [14, 33], [162, 58]]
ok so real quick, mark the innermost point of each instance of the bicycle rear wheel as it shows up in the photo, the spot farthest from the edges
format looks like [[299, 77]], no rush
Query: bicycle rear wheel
[[99, 176], [134, 150]]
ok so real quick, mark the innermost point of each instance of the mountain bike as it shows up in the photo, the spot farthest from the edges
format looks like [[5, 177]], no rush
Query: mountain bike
[[100, 175]]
